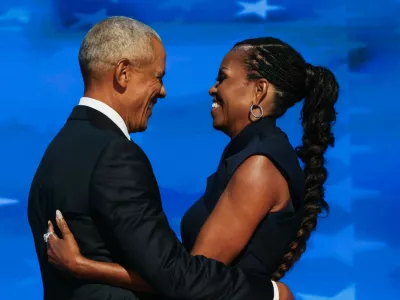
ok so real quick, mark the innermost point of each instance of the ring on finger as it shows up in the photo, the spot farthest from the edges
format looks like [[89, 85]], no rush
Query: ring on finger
[[47, 235]]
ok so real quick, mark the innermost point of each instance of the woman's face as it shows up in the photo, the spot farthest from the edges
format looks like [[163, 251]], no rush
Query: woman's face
[[233, 95]]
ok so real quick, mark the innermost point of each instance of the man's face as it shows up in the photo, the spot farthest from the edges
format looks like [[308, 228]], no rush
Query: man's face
[[145, 86]]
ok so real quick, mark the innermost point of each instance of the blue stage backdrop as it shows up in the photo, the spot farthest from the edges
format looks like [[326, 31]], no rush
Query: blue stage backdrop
[[355, 252]]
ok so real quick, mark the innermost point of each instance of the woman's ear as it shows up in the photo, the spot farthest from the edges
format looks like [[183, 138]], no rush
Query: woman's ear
[[261, 90]]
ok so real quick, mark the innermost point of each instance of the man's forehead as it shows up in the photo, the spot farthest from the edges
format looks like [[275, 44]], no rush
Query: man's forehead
[[158, 47], [159, 65], [159, 59]]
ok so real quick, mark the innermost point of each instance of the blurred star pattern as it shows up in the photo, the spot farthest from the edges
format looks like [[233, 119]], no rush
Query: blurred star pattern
[[354, 254]]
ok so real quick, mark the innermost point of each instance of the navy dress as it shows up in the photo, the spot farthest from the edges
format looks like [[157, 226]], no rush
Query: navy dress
[[264, 252]]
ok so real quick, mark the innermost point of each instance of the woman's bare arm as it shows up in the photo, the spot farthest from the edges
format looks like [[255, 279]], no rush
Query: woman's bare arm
[[64, 254], [256, 188]]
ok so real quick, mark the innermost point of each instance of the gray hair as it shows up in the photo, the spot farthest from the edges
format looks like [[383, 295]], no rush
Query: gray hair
[[112, 39]]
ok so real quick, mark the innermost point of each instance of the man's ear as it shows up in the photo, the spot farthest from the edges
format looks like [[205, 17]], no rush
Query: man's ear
[[122, 73]]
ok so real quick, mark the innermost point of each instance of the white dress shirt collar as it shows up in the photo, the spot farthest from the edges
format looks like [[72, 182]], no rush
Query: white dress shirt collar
[[107, 111]]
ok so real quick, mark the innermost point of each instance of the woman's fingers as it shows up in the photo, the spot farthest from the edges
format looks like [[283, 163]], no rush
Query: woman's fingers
[[53, 236], [62, 225], [50, 227]]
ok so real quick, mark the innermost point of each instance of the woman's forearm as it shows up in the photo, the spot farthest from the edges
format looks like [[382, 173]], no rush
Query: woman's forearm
[[109, 273], [115, 274]]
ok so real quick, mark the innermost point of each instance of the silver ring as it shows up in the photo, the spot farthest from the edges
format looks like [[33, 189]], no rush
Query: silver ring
[[47, 235], [261, 111]]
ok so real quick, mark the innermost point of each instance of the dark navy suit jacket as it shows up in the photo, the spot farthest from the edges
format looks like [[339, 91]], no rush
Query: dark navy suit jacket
[[105, 187]]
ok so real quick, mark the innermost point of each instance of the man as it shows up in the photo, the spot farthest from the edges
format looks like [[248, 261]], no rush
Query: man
[[104, 184]]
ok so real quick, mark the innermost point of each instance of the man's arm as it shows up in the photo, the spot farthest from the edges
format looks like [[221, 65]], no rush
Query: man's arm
[[126, 198]]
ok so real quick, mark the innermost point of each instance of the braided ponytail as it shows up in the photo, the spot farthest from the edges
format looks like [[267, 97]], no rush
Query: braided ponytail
[[294, 80], [318, 115]]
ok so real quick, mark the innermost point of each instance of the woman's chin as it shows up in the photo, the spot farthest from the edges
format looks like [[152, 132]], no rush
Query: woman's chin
[[218, 119]]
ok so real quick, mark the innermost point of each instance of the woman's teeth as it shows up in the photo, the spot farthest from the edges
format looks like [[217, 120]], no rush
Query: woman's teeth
[[215, 105]]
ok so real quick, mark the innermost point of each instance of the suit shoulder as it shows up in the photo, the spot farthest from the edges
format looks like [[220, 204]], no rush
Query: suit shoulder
[[124, 148], [123, 145]]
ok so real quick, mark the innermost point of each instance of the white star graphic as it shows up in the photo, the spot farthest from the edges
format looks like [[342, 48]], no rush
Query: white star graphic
[[347, 294], [186, 5], [342, 246], [89, 19], [344, 192], [5, 201], [344, 150], [260, 8]]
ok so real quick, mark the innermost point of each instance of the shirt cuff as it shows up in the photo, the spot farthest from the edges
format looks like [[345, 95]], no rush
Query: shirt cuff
[[276, 291]]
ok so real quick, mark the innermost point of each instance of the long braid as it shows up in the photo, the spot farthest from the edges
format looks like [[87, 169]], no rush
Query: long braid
[[294, 79], [318, 116]]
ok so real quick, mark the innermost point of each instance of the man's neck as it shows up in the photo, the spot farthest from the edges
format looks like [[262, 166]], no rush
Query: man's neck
[[100, 95], [108, 111], [105, 96]]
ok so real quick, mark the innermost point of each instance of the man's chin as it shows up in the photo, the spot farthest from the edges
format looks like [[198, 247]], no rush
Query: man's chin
[[142, 128]]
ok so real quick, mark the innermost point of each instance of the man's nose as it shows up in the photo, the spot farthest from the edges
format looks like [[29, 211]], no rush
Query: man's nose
[[163, 92]]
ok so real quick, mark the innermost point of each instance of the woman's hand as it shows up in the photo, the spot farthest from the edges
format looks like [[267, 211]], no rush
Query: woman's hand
[[63, 253]]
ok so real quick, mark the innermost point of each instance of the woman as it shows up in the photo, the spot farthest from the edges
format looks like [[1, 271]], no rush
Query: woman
[[259, 207]]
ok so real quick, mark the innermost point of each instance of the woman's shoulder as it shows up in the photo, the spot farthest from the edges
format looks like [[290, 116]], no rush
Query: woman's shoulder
[[274, 145]]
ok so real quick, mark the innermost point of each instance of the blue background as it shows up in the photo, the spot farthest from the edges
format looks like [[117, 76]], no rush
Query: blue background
[[355, 252]]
